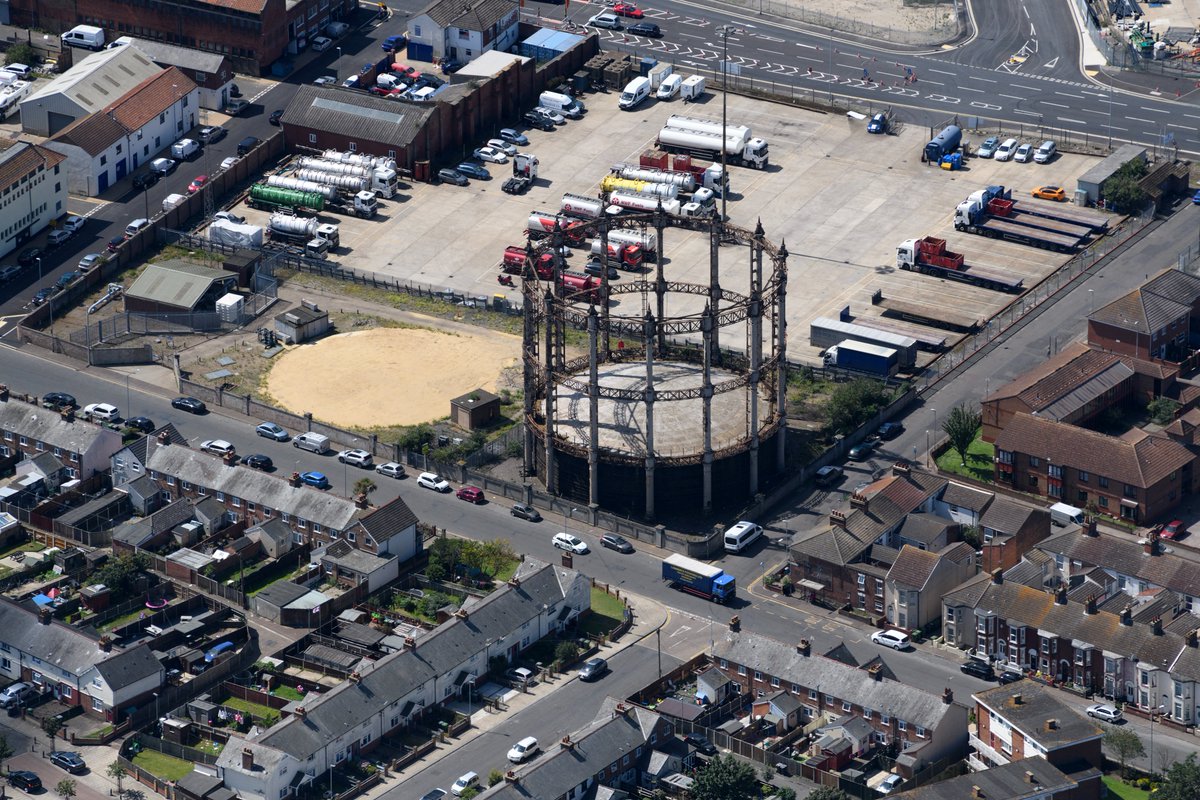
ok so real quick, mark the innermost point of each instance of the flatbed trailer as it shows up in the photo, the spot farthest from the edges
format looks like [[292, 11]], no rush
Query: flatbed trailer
[[937, 316], [1095, 221], [930, 342]]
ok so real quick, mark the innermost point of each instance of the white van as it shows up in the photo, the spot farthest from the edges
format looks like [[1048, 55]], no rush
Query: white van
[[634, 93], [669, 87], [562, 103], [185, 149], [741, 536], [1063, 515], [313, 442], [387, 80], [86, 36]]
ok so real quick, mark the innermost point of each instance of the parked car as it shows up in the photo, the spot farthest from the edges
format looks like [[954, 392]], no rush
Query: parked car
[[890, 430], [565, 541], [105, 412], [1173, 529], [472, 494], [70, 761], [1008, 676], [430, 480], [889, 784], [228, 162], [1005, 151], [593, 669], [57, 239], [614, 542], [313, 478], [16, 694], [211, 134], [447, 175], [89, 261], [596, 267], [434, 794], [270, 430], [896, 640], [73, 223], [507, 148], [988, 148], [325, 80], [1105, 712], [163, 166], [58, 400], [537, 121], [523, 749], [550, 114], [259, 461], [198, 183], [1045, 153], [65, 280], [42, 295], [476, 171], [321, 43], [24, 779], [357, 458], [143, 424], [276, 115], [1056, 193], [469, 780], [978, 669], [628, 10], [829, 476], [29, 255], [1024, 153], [648, 29], [218, 447], [862, 451], [491, 154], [512, 137], [393, 42], [526, 512], [9, 272], [702, 744], [391, 469], [519, 677], [189, 404]]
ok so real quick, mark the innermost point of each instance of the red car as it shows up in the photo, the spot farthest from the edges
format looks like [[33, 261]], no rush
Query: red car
[[1172, 529], [378, 90], [472, 494], [628, 10], [197, 184]]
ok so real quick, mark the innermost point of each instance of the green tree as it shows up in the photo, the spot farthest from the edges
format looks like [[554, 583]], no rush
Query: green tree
[[494, 777], [495, 554], [851, 404], [65, 788], [443, 557], [469, 792], [364, 486], [21, 54], [961, 425], [1162, 410], [52, 725], [725, 777], [788, 793], [827, 793], [120, 572], [1122, 190], [1124, 743], [566, 653], [6, 751], [116, 770], [970, 535], [1182, 781]]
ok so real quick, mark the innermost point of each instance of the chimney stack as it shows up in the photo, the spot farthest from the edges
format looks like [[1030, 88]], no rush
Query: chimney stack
[[1030, 777], [410, 642], [247, 759], [355, 677], [947, 695], [859, 501], [804, 648], [901, 468], [301, 712], [977, 793], [1090, 606], [1060, 596], [1127, 615], [1151, 545], [1017, 699], [461, 613], [1051, 725], [1090, 529], [510, 776], [875, 671], [837, 518], [515, 583], [997, 576], [45, 615], [1190, 638], [567, 744], [1156, 626]]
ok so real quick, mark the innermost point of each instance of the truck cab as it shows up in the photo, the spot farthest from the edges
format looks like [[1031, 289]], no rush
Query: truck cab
[[365, 204]]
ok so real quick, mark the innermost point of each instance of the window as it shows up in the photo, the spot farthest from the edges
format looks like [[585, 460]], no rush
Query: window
[[286, 517], [846, 705], [1130, 491], [1054, 471], [97, 704], [1083, 476], [1102, 501], [1033, 481], [757, 675], [65, 691], [202, 491], [250, 506], [741, 669], [352, 146], [300, 523], [885, 719], [1102, 482], [1034, 461], [312, 138], [862, 579], [6, 663], [812, 694], [365, 740], [416, 30], [724, 664], [221, 496], [316, 528], [236, 501], [775, 683], [625, 760], [901, 724], [867, 713], [170, 480]]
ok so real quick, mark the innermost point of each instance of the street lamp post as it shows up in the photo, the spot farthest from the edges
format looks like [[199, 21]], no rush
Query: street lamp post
[[724, 31], [928, 446]]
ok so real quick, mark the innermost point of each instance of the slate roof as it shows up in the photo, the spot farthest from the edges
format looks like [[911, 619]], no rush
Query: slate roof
[[202, 469], [57, 644], [1142, 463], [476, 15], [176, 56], [1170, 570], [833, 545], [24, 158], [1174, 284], [345, 555], [962, 496], [784, 701], [714, 678], [141, 487], [139, 447], [1038, 704], [46, 426], [137, 532], [364, 117], [1067, 381], [925, 528], [390, 519], [100, 79], [777, 659], [129, 667], [914, 567], [1008, 516], [1008, 782]]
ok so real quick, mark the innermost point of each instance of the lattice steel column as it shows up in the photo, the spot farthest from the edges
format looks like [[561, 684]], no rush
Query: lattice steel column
[[755, 349], [708, 329], [714, 285], [648, 332], [781, 348], [660, 282], [548, 373], [605, 344], [529, 354]]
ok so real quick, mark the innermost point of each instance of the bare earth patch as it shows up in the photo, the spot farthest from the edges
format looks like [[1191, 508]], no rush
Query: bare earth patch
[[388, 376]]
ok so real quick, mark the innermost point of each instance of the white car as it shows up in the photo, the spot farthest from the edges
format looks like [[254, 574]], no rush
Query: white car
[[359, 458], [226, 163], [1024, 153], [523, 749], [491, 154], [605, 19], [218, 447], [325, 80], [351, 82], [163, 166], [73, 223], [565, 541], [430, 480], [1104, 712], [1045, 153], [507, 148], [1005, 151], [391, 469], [550, 114], [102, 411], [889, 784], [321, 44], [893, 639]]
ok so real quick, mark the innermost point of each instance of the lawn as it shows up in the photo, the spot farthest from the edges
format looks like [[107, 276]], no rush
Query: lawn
[[980, 457], [506, 572], [1123, 790], [125, 619], [257, 710], [287, 693], [162, 765], [607, 613]]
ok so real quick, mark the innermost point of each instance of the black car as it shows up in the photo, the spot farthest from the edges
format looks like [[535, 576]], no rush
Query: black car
[[1008, 676], [143, 424], [276, 115], [614, 542], [58, 400], [258, 461], [43, 294], [71, 762], [476, 171], [890, 430], [594, 267], [234, 90], [645, 29], [28, 256], [24, 779], [448, 175], [537, 121], [700, 743], [829, 476], [526, 512], [978, 669], [189, 404], [144, 180]]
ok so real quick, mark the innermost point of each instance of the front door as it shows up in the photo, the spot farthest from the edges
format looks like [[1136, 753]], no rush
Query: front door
[[102, 182], [121, 169]]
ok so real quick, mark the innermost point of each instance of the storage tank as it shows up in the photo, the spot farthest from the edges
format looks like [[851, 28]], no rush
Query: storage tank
[[362, 159], [686, 181], [541, 223], [945, 142], [294, 227], [614, 183], [691, 139], [330, 193], [707, 126], [262, 195], [577, 205], [647, 239], [641, 202], [335, 167], [350, 183]]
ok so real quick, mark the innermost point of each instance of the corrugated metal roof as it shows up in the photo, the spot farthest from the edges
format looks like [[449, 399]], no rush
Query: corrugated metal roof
[[175, 284], [356, 115]]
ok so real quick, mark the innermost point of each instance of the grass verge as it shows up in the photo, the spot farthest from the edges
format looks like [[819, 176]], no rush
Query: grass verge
[[606, 614], [1118, 788], [980, 457]]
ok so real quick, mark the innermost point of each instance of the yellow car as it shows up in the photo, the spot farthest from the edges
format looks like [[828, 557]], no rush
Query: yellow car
[[1050, 193]]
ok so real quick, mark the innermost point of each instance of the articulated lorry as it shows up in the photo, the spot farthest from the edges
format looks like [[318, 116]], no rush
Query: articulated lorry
[[577, 205], [1094, 221], [362, 159], [629, 256], [929, 256], [288, 226], [976, 217], [330, 193], [381, 181], [704, 138], [615, 183], [641, 202], [272, 198], [542, 223], [514, 262], [696, 577], [856, 356]]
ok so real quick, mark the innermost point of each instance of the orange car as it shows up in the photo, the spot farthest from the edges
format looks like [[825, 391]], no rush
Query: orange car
[[1050, 193]]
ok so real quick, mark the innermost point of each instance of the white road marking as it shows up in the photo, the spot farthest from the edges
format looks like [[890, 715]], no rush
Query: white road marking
[[1010, 96], [1068, 119], [941, 71], [1068, 94], [1139, 119], [1056, 105]]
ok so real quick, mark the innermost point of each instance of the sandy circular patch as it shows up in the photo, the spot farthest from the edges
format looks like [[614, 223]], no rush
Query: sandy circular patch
[[388, 376]]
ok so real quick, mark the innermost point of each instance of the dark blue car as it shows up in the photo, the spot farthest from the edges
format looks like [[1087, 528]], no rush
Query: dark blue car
[[477, 171], [316, 479], [393, 43]]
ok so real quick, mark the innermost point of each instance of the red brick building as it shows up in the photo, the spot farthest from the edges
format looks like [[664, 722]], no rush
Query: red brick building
[[1158, 320]]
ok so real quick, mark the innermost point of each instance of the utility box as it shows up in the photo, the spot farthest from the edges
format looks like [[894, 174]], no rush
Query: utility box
[[230, 308]]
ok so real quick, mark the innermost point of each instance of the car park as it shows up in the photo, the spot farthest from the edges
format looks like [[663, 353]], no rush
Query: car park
[[1105, 712], [507, 148], [526, 512], [357, 458], [614, 542], [163, 166], [645, 29], [190, 404], [593, 669], [551, 114], [890, 430], [1056, 193], [862, 451], [512, 137], [523, 749], [978, 669], [211, 134], [431, 480], [70, 761], [316, 479], [537, 121], [889, 784], [828, 476], [143, 424], [1045, 152], [452, 176], [259, 461], [491, 154], [565, 541], [1024, 153], [605, 19], [321, 43], [391, 469], [476, 171], [25, 780], [105, 412], [988, 148], [89, 261], [1005, 151], [198, 183], [702, 744], [218, 447], [472, 494], [897, 640], [58, 400], [276, 115]]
